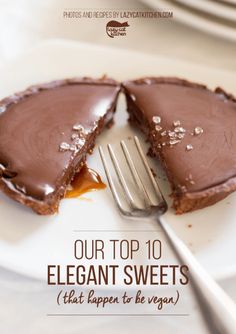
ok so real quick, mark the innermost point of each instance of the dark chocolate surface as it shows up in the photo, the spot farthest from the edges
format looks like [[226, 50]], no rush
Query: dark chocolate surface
[[34, 123], [212, 159]]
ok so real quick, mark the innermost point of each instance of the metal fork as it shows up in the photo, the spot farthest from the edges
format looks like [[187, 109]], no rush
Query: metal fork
[[218, 310]]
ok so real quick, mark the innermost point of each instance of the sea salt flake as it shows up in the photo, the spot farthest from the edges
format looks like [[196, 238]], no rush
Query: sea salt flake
[[156, 119], [183, 188], [79, 142], [190, 179], [189, 147], [179, 129], [148, 81], [163, 133], [158, 128], [2, 109], [64, 147], [73, 148], [171, 134], [174, 142], [176, 123], [198, 130], [180, 135], [78, 127], [74, 136]]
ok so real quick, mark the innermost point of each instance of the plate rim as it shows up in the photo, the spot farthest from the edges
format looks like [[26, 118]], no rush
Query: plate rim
[[194, 21], [212, 8]]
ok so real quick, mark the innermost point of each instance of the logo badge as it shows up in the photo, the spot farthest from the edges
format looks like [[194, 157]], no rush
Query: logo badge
[[115, 28]]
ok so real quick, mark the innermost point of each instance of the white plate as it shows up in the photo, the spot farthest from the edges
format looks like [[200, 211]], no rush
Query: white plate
[[28, 243], [194, 20], [231, 2], [212, 8]]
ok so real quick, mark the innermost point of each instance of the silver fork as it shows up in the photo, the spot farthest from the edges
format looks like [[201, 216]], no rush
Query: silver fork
[[218, 310]]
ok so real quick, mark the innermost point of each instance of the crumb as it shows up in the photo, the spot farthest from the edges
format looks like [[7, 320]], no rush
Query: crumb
[[153, 173], [110, 124]]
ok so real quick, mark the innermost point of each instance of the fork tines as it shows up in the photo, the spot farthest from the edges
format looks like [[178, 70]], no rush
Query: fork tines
[[144, 195]]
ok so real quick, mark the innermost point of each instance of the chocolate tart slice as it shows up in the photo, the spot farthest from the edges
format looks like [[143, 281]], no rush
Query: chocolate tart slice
[[46, 132], [192, 130]]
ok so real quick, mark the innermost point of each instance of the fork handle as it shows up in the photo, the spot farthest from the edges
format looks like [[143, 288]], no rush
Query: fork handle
[[216, 306]]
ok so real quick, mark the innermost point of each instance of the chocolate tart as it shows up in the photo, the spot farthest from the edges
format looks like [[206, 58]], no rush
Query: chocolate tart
[[46, 132], [192, 130]]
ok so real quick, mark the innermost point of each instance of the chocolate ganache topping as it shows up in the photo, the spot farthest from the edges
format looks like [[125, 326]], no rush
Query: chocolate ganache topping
[[45, 133], [192, 131]]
